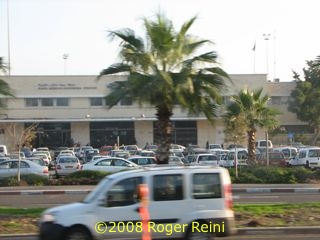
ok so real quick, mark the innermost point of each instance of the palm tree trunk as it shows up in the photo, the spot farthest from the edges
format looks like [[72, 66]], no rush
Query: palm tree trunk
[[316, 135], [163, 134], [252, 147]]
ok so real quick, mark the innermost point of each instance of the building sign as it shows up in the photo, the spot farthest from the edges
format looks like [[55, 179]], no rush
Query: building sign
[[63, 86]]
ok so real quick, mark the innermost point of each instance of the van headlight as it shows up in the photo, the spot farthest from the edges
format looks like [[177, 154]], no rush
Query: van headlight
[[48, 217]]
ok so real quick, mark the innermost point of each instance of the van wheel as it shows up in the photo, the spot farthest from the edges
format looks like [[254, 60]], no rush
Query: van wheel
[[195, 235], [78, 233]]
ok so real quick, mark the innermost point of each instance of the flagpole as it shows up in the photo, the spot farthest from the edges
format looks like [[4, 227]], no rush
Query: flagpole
[[8, 35], [254, 57]]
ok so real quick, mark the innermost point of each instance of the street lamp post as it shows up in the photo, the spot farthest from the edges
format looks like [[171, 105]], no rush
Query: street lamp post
[[266, 37]]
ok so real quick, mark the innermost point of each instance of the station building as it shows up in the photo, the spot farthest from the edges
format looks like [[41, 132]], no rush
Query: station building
[[72, 109]]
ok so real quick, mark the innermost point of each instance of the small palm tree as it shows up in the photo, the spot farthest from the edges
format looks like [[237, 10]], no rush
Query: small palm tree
[[167, 69], [250, 107]]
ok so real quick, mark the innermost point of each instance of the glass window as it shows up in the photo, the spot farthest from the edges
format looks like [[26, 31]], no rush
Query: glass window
[[167, 187], [124, 193], [31, 102], [106, 162], [96, 101], [63, 102], [206, 185], [127, 101], [46, 102]]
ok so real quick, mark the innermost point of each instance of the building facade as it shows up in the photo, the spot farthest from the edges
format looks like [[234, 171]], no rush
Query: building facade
[[72, 109]]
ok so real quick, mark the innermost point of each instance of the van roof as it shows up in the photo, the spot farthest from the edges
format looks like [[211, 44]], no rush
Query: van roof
[[166, 168]]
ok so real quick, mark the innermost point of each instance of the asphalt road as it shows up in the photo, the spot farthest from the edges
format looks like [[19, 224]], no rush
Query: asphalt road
[[243, 193]]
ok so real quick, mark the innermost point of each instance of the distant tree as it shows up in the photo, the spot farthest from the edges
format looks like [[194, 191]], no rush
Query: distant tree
[[305, 98], [249, 110], [167, 69], [21, 138]]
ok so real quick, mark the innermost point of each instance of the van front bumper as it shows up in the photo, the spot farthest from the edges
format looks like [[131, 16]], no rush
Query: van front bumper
[[51, 231]]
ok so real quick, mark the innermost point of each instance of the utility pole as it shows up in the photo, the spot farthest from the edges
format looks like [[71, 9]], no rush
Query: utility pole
[[266, 37]]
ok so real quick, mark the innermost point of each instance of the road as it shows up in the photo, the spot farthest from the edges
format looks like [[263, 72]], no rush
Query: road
[[255, 237], [242, 193]]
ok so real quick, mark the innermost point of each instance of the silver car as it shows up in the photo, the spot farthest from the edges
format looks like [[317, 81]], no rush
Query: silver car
[[9, 168], [109, 164], [66, 164]]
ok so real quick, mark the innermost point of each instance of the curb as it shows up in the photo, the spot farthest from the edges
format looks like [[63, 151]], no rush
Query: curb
[[240, 231], [86, 191], [44, 192], [276, 190]]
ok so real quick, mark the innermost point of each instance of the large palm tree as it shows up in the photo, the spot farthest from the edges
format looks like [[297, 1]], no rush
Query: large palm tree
[[164, 69], [5, 89], [251, 108]]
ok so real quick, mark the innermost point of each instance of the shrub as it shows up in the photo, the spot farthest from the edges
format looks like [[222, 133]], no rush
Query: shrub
[[263, 174], [27, 179], [85, 177]]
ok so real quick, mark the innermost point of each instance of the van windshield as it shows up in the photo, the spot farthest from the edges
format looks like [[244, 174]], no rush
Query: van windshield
[[96, 191]]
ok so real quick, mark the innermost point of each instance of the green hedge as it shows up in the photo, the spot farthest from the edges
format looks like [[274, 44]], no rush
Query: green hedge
[[27, 179], [84, 177], [263, 174]]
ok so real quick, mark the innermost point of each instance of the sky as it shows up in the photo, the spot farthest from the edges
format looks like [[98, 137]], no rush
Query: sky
[[41, 32]]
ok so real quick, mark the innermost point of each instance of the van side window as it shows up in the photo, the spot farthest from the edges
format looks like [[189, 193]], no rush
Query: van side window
[[206, 185], [167, 187], [123, 193]]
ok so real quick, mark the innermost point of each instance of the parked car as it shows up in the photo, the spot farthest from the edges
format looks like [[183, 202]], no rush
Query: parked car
[[214, 147], [9, 168], [132, 149], [105, 150], [229, 159], [89, 153], [37, 160], [308, 157], [206, 159], [288, 152], [44, 156], [180, 199], [175, 160], [120, 154], [142, 160], [275, 159], [3, 150], [66, 164], [109, 164], [17, 155], [146, 153]]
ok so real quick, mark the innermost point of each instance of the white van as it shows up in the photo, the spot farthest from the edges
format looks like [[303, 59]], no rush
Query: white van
[[263, 144], [308, 157], [288, 152], [193, 202]]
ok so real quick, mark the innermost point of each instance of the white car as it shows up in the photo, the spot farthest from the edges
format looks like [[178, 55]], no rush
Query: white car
[[9, 168], [206, 159], [109, 164], [141, 160], [66, 164]]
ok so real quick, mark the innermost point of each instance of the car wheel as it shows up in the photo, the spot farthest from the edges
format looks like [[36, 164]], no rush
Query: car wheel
[[198, 235], [78, 233]]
